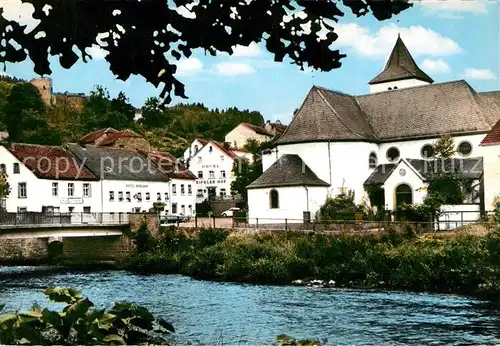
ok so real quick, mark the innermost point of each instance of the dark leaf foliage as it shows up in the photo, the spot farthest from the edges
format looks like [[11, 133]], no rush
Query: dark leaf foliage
[[143, 35]]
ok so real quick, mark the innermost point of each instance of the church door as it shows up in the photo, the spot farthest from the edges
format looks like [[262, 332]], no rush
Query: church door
[[404, 195]]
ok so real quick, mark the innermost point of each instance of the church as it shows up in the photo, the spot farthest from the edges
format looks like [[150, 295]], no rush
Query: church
[[338, 142]]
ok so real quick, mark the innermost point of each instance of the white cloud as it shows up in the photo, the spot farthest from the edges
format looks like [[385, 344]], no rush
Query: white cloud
[[96, 52], [477, 73], [188, 67], [20, 12], [186, 12], [251, 51], [437, 66], [419, 40], [233, 69], [450, 8]]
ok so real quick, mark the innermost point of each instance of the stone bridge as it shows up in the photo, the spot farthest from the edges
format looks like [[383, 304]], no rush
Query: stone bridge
[[33, 238]]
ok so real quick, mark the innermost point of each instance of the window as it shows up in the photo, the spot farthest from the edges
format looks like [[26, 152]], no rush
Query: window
[[174, 189], [111, 196], [210, 148], [427, 151], [195, 149], [16, 168], [120, 196], [158, 197], [372, 161], [199, 193], [395, 87], [222, 157], [3, 168], [86, 190], [190, 190], [182, 189], [223, 174], [211, 174], [71, 189], [464, 148], [199, 159], [200, 174], [274, 199], [235, 144], [148, 197], [127, 196], [55, 189], [190, 209], [22, 190], [166, 196], [138, 196], [86, 210], [22, 209], [222, 192], [403, 195], [393, 154], [389, 88], [174, 208], [183, 209]]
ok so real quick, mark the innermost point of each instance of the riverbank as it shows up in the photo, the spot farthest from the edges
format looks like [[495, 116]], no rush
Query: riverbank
[[396, 260]]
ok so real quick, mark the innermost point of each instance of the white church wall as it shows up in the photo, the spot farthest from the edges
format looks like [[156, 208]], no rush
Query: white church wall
[[412, 149], [491, 164], [408, 177], [401, 84], [293, 201]]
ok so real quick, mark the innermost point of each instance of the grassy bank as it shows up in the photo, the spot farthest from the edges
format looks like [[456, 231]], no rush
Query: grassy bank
[[399, 259]]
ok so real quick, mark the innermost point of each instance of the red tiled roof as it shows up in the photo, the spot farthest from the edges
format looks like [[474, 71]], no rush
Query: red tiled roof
[[228, 152], [203, 141], [50, 162], [257, 129], [95, 135], [166, 163], [493, 137], [113, 137]]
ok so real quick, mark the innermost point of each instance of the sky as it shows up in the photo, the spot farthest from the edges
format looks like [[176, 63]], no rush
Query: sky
[[449, 39]]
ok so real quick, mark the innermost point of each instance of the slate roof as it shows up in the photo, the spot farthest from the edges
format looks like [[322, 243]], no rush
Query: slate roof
[[169, 165], [408, 113], [50, 162], [228, 151], [469, 168], [95, 135], [400, 66], [117, 164], [490, 103], [288, 170], [113, 137]]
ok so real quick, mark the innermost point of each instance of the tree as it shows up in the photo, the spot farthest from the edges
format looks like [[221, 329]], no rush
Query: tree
[[143, 35], [246, 172], [444, 147], [153, 113], [25, 117]]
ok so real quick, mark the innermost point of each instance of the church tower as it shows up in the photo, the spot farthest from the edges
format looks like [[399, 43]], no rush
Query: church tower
[[400, 71]]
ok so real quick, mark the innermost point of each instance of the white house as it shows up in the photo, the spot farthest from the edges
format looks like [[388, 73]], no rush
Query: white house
[[212, 165], [129, 181], [238, 136], [346, 140], [197, 144], [49, 179]]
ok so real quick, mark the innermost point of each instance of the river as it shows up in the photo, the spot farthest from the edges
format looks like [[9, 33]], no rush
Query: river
[[227, 314]]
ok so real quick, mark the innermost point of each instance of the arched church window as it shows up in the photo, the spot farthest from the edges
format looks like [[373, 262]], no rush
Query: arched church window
[[404, 195], [274, 202], [395, 87], [464, 148], [372, 161], [427, 151], [389, 88], [392, 154]]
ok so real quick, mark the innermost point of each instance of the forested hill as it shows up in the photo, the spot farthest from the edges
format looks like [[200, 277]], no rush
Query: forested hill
[[28, 119]]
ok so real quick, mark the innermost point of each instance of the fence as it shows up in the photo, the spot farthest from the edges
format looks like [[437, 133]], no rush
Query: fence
[[36, 218], [445, 221]]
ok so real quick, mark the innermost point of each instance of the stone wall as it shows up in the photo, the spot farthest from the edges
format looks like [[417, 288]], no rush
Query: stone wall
[[96, 249], [44, 86], [29, 250], [151, 219]]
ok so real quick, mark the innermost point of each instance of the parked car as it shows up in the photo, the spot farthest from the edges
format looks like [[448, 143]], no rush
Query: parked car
[[230, 212], [171, 218]]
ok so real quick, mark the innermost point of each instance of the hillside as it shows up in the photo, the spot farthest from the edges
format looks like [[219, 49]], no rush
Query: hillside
[[34, 115]]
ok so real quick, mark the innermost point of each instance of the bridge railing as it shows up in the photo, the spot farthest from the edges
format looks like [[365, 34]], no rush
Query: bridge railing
[[36, 218]]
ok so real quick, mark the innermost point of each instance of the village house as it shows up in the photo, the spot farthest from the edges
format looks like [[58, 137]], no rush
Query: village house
[[111, 138], [48, 179], [239, 136], [345, 142]]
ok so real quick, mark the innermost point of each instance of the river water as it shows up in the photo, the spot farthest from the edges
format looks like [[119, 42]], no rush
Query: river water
[[232, 314]]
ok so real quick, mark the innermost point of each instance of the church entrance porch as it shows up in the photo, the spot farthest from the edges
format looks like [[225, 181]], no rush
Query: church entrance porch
[[404, 195]]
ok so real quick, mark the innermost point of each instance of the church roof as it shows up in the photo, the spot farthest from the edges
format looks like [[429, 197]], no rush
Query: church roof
[[288, 170], [400, 66], [408, 113]]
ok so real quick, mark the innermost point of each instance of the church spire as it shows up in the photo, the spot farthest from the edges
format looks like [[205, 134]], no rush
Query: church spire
[[400, 66]]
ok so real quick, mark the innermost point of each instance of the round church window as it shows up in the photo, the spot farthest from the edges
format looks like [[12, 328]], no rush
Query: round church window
[[427, 151], [393, 154], [464, 148]]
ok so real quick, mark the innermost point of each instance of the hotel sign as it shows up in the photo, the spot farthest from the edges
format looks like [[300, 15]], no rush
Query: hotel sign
[[72, 200], [137, 186], [208, 182], [210, 166]]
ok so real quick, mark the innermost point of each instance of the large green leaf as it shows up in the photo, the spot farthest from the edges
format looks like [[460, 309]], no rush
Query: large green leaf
[[114, 339], [59, 295], [79, 309], [7, 317], [51, 317], [30, 334]]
